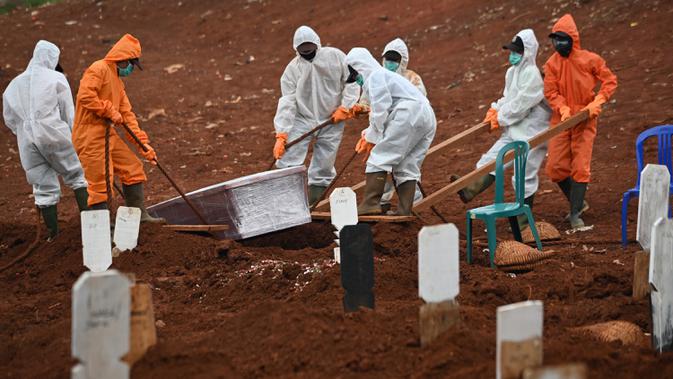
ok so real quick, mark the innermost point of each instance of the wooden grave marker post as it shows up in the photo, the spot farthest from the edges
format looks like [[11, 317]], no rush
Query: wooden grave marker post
[[641, 285], [519, 338], [652, 204], [653, 201], [143, 331], [343, 211], [661, 283], [100, 325], [438, 280], [96, 244], [357, 267], [127, 225]]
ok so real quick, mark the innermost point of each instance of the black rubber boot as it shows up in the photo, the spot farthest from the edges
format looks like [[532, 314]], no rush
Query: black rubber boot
[[470, 192], [565, 186], [522, 220], [375, 183], [82, 196], [405, 197], [134, 197], [98, 207], [577, 192], [315, 193], [50, 217]]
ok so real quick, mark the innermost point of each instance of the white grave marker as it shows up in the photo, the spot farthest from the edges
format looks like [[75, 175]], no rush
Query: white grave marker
[[343, 211], [661, 283], [519, 338], [127, 225], [96, 245], [438, 279], [100, 325], [438, 274], [653, 202]]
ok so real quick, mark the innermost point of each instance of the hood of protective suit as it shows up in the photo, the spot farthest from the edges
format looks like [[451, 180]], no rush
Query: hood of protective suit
[[362, 61], [530, 47], [45, 55], [566, 24], [398, 46], [305, 34], [128, 47]]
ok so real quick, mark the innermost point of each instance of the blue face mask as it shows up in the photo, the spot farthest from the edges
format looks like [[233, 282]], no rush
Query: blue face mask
[[360, 80], [125, 71], [391, 65], [515, 58]]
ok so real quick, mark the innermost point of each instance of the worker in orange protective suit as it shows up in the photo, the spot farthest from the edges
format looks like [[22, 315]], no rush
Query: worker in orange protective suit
[[102, 100], [571, 74]]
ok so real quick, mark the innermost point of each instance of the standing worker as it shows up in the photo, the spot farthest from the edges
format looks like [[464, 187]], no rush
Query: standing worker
[[402, 125], [313, 90], [102, 100], [37, 108], [520, 114], [571, 74], [396, 59]]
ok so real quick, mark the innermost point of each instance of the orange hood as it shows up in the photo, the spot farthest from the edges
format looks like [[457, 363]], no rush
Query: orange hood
[[566, 24], [128, 47]]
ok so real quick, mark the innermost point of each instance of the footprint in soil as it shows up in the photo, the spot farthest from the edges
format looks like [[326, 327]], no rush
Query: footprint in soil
[[313, 235]]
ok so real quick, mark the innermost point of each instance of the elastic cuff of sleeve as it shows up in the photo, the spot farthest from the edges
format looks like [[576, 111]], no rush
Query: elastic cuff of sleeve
[[372, 136]]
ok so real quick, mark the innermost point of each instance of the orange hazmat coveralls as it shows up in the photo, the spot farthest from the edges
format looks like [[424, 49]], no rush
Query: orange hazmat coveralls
[[570, 82], [101, 94]]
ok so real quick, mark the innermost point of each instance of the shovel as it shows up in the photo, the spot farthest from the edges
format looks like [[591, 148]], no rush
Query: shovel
[[182, 194], [302, 137]]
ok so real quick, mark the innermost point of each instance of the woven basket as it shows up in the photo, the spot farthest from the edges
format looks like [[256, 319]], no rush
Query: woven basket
[[516, 256], [626, 332], [546, 231]]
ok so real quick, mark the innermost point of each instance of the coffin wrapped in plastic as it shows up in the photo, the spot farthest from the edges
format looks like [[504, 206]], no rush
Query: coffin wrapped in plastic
[[250, 205]]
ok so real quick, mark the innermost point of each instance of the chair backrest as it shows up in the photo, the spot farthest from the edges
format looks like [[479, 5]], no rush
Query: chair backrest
[[520, 150], [663, 134]]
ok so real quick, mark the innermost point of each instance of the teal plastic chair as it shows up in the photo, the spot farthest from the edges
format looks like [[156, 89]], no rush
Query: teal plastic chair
[[490, 213]]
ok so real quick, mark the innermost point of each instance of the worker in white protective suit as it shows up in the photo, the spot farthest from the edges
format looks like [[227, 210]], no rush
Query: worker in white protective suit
[[396, 59], [38, 108], [313, 90], [521, 113], [402, 125]]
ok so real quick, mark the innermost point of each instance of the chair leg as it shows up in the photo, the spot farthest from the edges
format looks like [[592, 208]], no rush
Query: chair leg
[[625, 212], [533, 228], [469, 239], [492, 241], [516, 231]]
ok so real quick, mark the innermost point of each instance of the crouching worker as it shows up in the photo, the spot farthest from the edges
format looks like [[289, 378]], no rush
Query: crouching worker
[[396, 59], [520, 114], [402, 125], [102, 100], [37, 107]]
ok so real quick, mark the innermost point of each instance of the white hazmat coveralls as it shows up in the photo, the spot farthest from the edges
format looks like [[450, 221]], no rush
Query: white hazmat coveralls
[[38, 108], [310, 92], [402, 123], [397, 45], [522, 111]]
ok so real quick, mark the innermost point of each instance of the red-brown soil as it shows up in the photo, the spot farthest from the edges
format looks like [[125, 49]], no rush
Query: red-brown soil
[[271, 306]]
